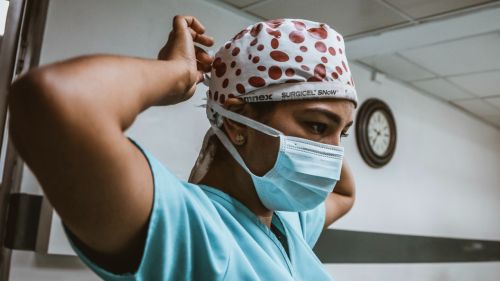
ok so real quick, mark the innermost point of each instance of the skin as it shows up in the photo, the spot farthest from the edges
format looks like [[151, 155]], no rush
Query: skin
[[67, 121]]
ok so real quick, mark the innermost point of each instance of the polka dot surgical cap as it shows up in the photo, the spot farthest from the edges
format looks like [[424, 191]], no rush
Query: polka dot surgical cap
[[275, 60], [282, 59]]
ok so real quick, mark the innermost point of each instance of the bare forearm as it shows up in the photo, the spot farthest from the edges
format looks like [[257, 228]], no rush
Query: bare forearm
[[113, 87], [341, 200], [345, 186], [64, 110]]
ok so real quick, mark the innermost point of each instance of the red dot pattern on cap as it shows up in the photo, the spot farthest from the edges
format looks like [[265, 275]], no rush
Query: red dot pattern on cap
[[274, 23], [279, 56], [256, 29], [320, 46], [320, 70], [220, 67], [240, 34], [299, 25], [275, 43], [256, 81], [314, 79], [339, 70], [240, 88], [275, 72], [286, 51], [331, 50], [318, 33], [275, 33], [345, 66], [296, 37]]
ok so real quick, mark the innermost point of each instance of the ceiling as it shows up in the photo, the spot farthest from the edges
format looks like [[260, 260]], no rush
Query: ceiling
[[449, 49]]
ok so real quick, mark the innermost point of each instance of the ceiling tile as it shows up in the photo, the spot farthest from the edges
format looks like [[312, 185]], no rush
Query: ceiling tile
[[425, 8], [398, 67], [482, 84], [472, 54], [240, 3], [495, 101], [494, 119], [442, 88], [478, 107], [347, 17]]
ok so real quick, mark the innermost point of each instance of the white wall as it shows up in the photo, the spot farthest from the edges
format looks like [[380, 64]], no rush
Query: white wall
[[442, 181], [444, 177]]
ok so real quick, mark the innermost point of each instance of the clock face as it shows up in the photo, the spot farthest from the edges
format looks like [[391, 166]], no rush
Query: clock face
[[379, 133], [375, 132]]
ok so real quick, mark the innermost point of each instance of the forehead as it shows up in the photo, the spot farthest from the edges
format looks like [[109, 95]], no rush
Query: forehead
[[343, 108]]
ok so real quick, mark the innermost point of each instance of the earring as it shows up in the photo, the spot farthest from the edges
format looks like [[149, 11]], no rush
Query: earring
[[240, 139]]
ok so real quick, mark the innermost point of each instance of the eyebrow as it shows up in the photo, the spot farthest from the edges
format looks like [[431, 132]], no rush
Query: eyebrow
[[329, 114]]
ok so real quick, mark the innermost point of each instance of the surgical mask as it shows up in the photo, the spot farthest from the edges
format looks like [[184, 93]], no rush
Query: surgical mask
[[305, 171]]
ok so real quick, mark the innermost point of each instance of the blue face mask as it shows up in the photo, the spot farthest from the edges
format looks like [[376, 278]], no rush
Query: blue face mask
[[304, 173]]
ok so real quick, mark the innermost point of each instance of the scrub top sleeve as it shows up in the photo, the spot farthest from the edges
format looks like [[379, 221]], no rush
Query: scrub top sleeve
[[182, 240], [312, 222]]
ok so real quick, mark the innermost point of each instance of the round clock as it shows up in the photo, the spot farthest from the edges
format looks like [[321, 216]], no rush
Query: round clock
[[375, 132]]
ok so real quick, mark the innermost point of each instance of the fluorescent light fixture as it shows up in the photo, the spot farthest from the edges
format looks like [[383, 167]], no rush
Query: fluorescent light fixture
[[4, 6]]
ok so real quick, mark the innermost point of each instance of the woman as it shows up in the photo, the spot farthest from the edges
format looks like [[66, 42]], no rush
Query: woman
[[280, 98]]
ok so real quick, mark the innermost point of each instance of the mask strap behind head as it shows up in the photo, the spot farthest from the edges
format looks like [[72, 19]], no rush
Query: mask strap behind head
[[244, 120]]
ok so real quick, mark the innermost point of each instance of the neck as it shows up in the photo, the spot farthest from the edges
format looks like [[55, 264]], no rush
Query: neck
[[228, 176]]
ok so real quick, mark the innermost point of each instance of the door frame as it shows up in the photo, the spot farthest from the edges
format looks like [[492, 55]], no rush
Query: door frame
[[20, 51]]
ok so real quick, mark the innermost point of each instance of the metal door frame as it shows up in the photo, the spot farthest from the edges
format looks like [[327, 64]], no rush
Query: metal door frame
[[19, 51]]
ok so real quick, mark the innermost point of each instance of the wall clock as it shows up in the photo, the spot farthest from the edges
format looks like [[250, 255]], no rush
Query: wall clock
[[375, 132]]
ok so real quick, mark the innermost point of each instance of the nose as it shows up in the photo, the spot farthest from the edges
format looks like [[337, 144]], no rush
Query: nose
[[333, 140]]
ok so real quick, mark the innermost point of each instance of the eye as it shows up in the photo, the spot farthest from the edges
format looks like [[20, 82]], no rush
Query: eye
[[344, 135], [317, 128]]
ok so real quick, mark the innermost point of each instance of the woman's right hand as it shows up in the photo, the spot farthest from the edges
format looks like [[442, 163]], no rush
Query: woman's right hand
[[180, 47]]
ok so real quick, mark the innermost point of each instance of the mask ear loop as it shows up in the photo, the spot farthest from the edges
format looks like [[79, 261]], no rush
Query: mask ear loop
[[206, 79], [245, 120], [206, 75]]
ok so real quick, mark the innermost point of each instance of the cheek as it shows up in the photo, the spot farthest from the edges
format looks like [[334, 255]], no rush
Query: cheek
[[260, 152]]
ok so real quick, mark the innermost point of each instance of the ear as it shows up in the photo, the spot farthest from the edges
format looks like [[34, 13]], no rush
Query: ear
[[236, 132]]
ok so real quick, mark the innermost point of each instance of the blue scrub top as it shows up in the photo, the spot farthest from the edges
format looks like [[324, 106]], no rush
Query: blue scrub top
[[197, 232]]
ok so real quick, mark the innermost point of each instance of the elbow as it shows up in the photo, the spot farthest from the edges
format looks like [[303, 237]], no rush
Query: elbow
[[28, 90], [29, 100]]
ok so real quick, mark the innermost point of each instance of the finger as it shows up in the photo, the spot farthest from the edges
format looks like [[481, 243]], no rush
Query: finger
[[202, 38], [200, 77], [202, 55], [181, 21], [203, 66]]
